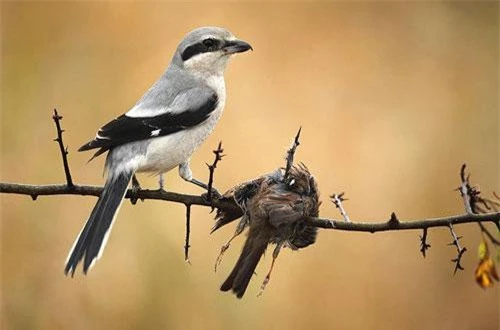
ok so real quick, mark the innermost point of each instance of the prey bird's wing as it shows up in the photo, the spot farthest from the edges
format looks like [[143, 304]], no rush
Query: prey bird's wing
[[282, 208], [188, 109]]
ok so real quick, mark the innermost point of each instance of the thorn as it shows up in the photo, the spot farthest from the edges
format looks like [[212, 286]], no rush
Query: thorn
[[393, 219], [34, 197], [290, 154], [424, 246]]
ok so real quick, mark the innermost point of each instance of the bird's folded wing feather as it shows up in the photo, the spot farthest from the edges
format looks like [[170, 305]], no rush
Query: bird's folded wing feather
[[188, 109], [282, 208]]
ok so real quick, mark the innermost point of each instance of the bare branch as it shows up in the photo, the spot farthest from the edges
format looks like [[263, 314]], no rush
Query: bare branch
[[460, 250], [465, 189], [143, 194], [64, 151], [291, 153], [211, 168], [374, 227], [48, 190], [424, 246], [337, 200], [469, 194], [474, 202], [188, 232]]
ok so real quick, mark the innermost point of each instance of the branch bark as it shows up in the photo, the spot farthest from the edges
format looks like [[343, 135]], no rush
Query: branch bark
[[62, 189], [374, 227], [371, 227]]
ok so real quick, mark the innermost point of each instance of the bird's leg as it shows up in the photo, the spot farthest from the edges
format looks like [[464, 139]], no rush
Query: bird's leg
[[239, 229], [225, 247], [161, 181], [268, 276], [222, 250], [186, 174], [136, 186], [135, 189]]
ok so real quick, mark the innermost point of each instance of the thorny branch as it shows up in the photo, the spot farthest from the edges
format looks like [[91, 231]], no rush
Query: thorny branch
[[379, 226], [460, 250], [291, 153], [64, 151], [475, 205], [188, 232], [211, 168], [424, 246], [337, 200], [62, 189]]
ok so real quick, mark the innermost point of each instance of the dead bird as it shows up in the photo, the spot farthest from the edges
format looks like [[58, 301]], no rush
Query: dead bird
[[275, 208]]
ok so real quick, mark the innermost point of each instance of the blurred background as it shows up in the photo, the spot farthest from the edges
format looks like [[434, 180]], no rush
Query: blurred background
[[392, 99]]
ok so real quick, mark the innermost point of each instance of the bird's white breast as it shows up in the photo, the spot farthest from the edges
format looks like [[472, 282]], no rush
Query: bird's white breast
[[166, 152]]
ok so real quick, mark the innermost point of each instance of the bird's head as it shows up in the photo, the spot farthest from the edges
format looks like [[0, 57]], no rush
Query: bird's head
[[301, 181], [207, 50]]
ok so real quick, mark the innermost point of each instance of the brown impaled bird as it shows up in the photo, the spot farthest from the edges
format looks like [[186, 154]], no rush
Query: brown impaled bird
[[275, 207]]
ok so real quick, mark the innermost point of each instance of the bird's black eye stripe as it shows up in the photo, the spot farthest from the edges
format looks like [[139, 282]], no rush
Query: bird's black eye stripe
[[204, 46], [209, 42]]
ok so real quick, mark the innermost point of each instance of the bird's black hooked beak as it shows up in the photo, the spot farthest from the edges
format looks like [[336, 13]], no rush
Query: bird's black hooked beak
[[236, 46]]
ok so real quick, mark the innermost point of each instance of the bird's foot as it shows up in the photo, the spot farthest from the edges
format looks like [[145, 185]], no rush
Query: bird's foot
[[208, 197], [214, 195], [136, 187], [219, 257], [276, 252], [264, 283]]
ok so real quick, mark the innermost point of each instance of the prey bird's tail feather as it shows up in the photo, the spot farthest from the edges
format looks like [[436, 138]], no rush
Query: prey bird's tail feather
[[92, 239], [244, 269]]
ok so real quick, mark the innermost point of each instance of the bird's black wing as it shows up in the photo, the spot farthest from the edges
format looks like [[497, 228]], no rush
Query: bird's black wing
[[126, 129]]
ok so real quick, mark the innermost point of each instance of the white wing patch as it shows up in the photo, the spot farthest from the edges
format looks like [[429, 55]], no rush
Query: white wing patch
[[156, 132]]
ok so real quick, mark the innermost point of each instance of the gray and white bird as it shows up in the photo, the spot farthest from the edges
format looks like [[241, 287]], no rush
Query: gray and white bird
[[160, 132]]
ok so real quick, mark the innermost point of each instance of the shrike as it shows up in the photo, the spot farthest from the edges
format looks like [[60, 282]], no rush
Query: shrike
[[160, 132]]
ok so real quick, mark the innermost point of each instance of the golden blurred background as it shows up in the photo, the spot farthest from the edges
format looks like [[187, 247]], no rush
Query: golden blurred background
[[392, 98]]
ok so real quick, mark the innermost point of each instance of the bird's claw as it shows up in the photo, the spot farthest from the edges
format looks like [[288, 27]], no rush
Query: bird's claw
[[136, 187], [219, 257], [214, 195], [264, 283]]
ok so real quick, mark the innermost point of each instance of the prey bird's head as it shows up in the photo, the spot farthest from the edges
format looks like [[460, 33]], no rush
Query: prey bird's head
[[207, 50]]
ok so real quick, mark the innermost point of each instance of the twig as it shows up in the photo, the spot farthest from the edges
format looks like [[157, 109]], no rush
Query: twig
[[211, 168], [374, 227], [423, 242], [337, 200], [460, 250], [465, 189], [290, 154], [145, 194], [64, 151], [472, 200], [188, 232]]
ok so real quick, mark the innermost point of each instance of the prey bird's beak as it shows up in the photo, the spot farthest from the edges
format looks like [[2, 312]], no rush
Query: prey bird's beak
[[236, 46]]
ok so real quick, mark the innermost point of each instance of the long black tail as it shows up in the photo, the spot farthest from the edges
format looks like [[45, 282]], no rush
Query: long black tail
[[238, 280], [92, 239]]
